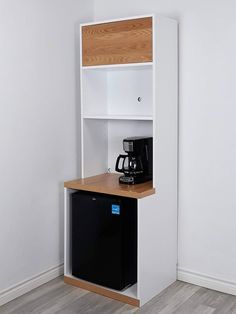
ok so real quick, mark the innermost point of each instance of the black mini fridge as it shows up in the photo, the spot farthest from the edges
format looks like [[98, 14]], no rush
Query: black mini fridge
[[104, 239]]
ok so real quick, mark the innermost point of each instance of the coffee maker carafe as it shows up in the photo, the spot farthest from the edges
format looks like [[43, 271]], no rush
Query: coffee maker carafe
[[137, 164]]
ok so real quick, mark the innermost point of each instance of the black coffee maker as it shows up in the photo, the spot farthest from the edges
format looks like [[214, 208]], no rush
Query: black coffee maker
[[137, 164]]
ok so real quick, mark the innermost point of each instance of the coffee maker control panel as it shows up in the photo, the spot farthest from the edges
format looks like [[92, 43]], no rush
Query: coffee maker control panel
[[128, 180], [128, 146]]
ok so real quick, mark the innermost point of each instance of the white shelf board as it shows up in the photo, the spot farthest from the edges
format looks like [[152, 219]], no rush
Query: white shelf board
[[118, 117], [118, 19], [115, 67]]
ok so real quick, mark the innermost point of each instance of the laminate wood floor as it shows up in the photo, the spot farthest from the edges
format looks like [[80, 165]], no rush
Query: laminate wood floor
[[56, 297]]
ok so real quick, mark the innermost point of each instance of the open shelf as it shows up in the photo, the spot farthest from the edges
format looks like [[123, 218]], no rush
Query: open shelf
[[103, 142], [118, 117], [108, 183], [118, 91]]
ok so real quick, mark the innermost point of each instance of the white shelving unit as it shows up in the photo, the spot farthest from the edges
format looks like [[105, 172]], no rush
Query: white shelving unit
[[136, 99]]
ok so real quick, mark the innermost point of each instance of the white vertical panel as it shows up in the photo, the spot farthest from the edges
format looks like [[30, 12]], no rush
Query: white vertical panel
[[166, 107], [166, 139], [157, 233], [67, 231], [156, 246]]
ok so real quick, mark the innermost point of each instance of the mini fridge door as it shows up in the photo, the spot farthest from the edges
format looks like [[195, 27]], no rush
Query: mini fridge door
[[100, 239]]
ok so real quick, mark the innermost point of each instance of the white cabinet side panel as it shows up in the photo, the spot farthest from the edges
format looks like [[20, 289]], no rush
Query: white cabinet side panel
[[156, 246], [157, 214], [67, 231], [166, 105]]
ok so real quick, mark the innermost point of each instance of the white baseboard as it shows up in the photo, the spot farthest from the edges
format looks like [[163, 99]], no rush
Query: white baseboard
[[182, 274], [30, 284], [207, 281]]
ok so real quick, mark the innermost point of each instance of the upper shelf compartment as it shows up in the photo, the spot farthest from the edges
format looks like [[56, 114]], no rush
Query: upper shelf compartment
[[120, 42], [118, 91]]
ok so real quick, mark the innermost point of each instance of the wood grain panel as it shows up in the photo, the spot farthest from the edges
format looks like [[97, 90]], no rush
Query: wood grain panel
[[102, 291], [121, 42], [108, 183]]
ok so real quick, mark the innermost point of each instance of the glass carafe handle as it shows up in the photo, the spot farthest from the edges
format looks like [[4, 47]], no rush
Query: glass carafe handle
[[118, 162]]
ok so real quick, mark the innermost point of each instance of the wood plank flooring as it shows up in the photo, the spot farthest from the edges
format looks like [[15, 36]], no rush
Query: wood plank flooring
[[56, 297]]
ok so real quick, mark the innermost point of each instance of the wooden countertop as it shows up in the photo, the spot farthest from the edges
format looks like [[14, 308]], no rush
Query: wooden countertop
[[108, 183]]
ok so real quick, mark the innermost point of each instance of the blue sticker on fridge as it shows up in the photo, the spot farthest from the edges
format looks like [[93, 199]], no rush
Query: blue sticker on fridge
[[115, 209]]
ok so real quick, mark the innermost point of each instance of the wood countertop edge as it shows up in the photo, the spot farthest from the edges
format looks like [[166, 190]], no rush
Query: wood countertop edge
[[108, 184], [105, 190]]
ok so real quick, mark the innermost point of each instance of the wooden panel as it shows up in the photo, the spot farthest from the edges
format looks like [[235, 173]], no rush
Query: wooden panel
[[128, 41], [108, 183], [100, 290]]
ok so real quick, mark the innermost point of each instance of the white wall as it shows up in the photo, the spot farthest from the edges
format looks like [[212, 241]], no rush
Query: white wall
[[39, 138], [39, 129], [207, 178]]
